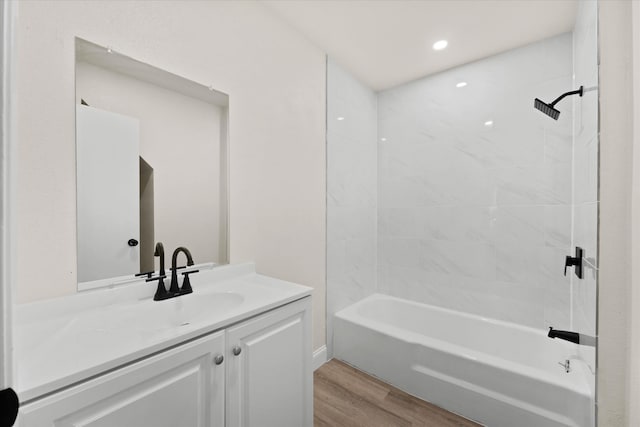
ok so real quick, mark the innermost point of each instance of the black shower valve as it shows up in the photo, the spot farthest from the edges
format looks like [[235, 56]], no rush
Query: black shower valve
[[575, 262]]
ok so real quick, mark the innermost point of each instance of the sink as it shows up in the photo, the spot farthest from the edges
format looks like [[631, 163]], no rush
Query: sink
[[195, 307], [149, 316]]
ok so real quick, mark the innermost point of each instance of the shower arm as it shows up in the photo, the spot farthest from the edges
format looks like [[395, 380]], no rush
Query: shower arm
[[573, 92]]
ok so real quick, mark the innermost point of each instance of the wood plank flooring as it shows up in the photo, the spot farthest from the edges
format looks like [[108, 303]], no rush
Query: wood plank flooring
[[346, 397]]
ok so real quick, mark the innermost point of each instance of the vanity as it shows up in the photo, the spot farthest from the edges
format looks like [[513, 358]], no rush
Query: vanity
[[235, 352], [126, 349]]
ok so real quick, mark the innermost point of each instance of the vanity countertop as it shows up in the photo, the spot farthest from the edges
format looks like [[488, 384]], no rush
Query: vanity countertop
[[62, 341]]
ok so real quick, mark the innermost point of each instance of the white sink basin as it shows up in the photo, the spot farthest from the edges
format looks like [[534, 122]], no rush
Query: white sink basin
[[195, 307], [152, 316]]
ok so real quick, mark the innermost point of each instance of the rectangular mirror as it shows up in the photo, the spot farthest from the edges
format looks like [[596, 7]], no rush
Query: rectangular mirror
[[151, 166]]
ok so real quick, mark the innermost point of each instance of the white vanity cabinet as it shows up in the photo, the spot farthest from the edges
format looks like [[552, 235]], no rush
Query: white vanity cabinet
[[182, 387], [254, 373], [269, 372]]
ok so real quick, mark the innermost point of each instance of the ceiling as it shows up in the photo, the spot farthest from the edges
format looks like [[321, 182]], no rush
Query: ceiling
[[385, 43]]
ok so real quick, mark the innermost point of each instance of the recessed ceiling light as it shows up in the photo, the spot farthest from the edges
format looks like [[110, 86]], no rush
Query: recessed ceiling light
[[461, 84], [383, 139], [340, 118], [440, 44], [488, 123]]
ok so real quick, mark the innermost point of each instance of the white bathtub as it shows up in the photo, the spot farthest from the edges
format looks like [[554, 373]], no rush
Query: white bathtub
[[493, 372]]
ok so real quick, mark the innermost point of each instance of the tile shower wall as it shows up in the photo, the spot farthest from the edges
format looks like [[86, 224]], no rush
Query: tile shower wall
[[351, 192], [474, 187], [585, 193]]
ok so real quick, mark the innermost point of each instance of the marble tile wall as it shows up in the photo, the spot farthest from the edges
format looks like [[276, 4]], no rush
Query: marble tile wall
[[585, 193], [351, 192], [474, 187]]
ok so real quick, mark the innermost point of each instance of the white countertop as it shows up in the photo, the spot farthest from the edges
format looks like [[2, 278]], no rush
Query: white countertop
[[62, 341]]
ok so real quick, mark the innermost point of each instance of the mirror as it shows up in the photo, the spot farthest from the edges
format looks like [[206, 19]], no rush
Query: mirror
[[151, 166]]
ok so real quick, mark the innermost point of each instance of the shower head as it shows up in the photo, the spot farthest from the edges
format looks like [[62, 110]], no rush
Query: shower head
[[546, 108], [549, 109]]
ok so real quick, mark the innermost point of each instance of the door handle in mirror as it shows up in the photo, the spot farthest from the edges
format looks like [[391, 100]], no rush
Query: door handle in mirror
[[132, 242]]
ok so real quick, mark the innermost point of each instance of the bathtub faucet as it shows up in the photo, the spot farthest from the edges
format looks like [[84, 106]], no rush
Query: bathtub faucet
[[565, 335], [572, 336]]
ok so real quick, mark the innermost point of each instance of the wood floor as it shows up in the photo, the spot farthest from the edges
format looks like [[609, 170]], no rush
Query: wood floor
[[346, 397]]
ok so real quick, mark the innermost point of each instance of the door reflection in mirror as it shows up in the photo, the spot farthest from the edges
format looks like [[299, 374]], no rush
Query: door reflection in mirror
[[163, 179]]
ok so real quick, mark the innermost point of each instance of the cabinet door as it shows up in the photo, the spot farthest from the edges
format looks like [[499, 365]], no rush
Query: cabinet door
[[181, 387], [270, 379]]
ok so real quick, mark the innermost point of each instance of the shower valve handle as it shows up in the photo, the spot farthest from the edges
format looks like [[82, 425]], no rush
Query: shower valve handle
[[575, 262], [569, 261]]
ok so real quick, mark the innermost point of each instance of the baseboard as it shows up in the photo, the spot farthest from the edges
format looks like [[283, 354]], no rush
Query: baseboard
[[319, 357]]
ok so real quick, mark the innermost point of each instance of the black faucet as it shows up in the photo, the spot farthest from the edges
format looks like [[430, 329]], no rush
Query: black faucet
[[186, 284], [575, 262], [565, 335], [174, 290], [575, 337], [161, 291]]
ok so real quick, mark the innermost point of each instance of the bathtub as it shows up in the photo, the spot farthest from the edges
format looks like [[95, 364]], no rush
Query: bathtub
[[496, 373]]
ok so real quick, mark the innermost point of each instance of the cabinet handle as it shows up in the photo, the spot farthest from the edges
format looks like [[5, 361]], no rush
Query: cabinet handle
[[236, 350], [218, 359]]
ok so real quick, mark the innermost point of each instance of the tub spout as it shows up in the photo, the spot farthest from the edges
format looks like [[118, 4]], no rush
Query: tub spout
[[565, 335]]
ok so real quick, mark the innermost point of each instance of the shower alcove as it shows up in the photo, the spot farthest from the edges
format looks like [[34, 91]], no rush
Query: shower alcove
[[453, 192]]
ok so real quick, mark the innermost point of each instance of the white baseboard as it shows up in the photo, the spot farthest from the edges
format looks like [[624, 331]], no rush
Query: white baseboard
[[319, 357]]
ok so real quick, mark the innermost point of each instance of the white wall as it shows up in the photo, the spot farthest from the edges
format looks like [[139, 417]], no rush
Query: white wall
[[180, 139], [276, 82], [472, 217], [617, 223], [7, 205], [585, 177], [634, 357], [351, 191]]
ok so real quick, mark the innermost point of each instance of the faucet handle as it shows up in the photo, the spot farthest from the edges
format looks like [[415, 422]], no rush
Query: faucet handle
[[186, 283], [575, 262], [146, 273], [161, 291], [568, 261]]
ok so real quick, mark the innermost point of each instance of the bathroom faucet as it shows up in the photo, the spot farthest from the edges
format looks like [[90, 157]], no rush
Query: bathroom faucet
[[174, 290], [161, 291], [186, 284]]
